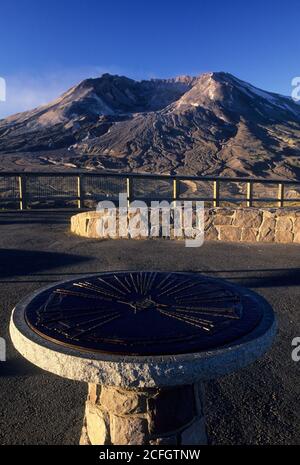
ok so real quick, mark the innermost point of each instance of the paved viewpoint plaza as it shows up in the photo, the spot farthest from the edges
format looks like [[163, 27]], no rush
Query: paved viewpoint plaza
[[255, 405]]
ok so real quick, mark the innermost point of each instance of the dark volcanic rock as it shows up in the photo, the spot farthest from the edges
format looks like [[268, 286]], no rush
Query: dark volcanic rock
[[211, 124]]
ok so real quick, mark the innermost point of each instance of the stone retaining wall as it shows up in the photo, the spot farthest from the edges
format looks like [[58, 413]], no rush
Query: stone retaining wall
[[225, 224], [253, 225], [118, 416]]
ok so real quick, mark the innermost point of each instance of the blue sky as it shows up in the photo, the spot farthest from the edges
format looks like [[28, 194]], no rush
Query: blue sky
[[47, 46]]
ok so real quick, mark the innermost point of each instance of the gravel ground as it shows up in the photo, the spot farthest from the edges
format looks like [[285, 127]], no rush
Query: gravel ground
[[258, 405]]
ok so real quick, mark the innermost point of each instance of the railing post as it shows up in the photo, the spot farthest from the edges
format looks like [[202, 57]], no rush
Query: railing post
[[176, 191], [129, 185], [216, 193], [280, 194], [22, 192], [80, 193], [249, 194]]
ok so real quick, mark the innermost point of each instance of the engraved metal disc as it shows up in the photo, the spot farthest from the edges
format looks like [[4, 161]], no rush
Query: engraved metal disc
[[143, 313]]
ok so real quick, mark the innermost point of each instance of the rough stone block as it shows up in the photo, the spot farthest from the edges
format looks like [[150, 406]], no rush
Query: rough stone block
[[97, 424], [91, 228], [84, 439], [296, 223], [92, 393], [296, 230], [284, 223], [249, 234], [207, 215], [230, 233], [131, 430], [267, 229], [122, 402], [171, 409], [211, 234], [297, 236], [222, 219], [284, 236], [248, 218], [227, 211], [286, 211]]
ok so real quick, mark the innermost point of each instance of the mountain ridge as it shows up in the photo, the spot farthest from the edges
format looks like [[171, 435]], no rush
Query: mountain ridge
[[213, 123]]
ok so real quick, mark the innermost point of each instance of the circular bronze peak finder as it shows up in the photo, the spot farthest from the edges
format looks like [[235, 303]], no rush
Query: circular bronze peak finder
[[144, 313]]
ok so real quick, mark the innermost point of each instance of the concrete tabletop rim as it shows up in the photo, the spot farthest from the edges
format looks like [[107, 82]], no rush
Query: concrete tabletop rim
[[207, 364]]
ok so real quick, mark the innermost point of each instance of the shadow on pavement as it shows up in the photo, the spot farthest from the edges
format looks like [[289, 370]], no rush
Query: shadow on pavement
[[32, 221], [26, 217], [278, 277], [15, 262], [17, 367]]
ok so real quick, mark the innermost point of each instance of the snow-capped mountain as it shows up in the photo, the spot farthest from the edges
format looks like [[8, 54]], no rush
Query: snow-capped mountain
[[210, 124]]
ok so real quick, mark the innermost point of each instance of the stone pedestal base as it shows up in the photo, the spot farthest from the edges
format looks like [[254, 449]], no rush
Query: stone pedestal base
[[170, 416]]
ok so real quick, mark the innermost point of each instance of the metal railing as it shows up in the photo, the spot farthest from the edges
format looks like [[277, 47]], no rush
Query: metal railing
[[28, 189]]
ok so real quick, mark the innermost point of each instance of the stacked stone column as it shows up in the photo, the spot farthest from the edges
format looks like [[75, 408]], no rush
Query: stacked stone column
[[168, 416]]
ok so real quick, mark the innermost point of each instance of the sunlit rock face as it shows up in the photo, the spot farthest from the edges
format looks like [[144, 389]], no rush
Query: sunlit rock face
[[210, 124]]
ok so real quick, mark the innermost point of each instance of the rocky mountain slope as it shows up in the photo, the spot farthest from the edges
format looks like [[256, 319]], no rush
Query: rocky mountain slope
[[210, 124]]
